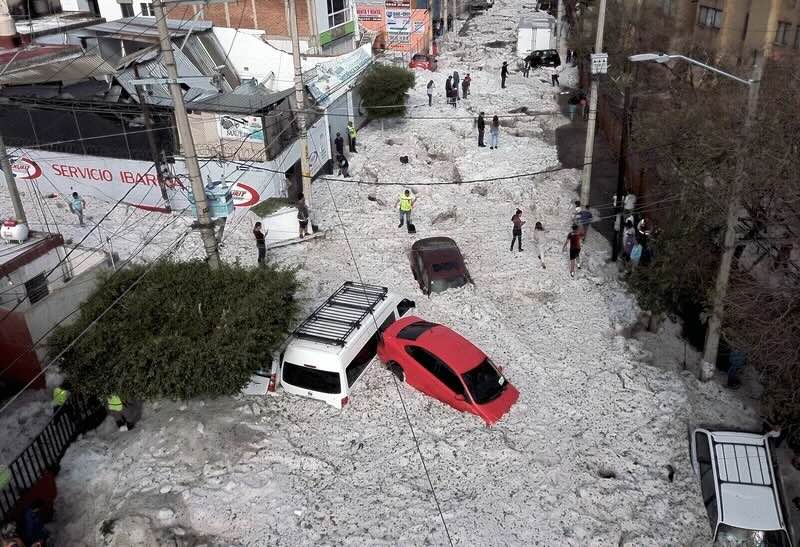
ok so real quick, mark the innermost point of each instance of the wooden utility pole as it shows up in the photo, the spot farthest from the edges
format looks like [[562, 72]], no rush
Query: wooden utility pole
[[586, 178], [204, 224], [622, 161], [300, 99]]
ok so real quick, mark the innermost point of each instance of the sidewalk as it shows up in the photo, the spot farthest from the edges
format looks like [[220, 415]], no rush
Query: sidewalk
[[571, 144]]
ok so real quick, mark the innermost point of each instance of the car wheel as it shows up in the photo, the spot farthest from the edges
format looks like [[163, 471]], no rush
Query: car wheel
[[397, 370]]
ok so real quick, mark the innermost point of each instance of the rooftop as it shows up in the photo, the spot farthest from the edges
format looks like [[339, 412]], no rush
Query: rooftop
[[16, 255], [53, 24]]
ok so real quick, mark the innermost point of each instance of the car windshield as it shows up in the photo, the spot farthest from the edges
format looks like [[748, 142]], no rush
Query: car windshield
[[484, 382], [730, 536], [440, 285]]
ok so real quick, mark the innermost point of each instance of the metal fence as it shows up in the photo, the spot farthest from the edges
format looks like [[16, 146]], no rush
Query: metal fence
[[44, 453]]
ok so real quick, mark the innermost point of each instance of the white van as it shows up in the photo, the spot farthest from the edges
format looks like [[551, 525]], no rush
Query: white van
[[333, 347]]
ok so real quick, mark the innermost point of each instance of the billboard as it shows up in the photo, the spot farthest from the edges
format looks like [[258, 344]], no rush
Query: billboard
[[398, 21], [135, 183], [369, 12]]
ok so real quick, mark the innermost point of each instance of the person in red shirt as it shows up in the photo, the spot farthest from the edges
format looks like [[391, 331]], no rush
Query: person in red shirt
[[574, 241]]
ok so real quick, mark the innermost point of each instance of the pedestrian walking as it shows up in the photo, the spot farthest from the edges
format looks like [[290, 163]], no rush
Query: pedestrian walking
[[344, 166], [116, 409], [516, 231], [569, 56], [574, 241], [406, 205], [465, 85], [352, 134], [538, 239], [77, 206], [338, 142], [528, 62], [456, 81], [554, 76], [572, 106], [448, 86], [503, 74], [736, 361], [584, 104], [261, 243], [430, 88], [494, 133], [583, 218], [449, 22], [454, 97], [302, 214], [481, 123]]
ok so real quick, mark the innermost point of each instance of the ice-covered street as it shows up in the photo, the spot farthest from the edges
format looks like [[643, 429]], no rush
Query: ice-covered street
[[583, 458]]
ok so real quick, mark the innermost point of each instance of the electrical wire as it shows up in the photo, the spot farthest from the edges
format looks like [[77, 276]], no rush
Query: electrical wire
[[92, 323]]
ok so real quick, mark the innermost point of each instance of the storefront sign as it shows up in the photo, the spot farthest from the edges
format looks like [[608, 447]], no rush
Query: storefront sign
[[398, 4], [135, 182], [240, 128]]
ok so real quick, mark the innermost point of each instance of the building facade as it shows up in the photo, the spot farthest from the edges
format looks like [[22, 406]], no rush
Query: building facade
[[738, 29]]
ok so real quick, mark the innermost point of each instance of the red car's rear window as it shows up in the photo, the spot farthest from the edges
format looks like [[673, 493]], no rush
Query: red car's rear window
[[415, 330]]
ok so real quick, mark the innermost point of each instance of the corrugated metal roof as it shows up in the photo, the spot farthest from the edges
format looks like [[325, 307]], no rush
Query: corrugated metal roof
[[239, 103], [70, 68], [145, 27]]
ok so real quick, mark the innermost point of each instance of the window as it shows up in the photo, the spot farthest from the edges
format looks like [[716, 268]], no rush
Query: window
[[782, 36], [127, 10], [405, 305], [710, 17], [147, 9], [311, 379], [387, 323], [415, 330], [36, 288], [338, 12], [362, 359], [436, 367], [707, 481]]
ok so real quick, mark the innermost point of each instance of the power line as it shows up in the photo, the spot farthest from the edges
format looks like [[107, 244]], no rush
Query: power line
[[405, 410], [93, 322]]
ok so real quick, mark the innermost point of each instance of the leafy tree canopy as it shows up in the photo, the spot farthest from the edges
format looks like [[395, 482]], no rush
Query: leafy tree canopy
[[385, 86], [183, 331]]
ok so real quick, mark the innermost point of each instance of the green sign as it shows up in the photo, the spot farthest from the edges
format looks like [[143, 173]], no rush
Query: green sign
[[337, 32]]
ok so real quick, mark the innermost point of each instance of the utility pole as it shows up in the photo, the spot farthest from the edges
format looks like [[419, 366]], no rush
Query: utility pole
[[586, 178], [19, 211], [204, 224], [622, 161], [300, 99], [151, 138], [560, 41], [731, 221]]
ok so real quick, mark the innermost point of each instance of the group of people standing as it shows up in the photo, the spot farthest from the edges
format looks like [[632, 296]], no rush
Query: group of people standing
[[451, 87], [494, 131]]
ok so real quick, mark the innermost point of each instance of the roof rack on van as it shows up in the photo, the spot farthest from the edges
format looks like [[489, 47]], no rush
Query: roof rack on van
[[342, 313], [741, 463]]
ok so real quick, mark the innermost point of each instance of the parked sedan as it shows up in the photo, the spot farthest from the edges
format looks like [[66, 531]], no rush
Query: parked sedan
[[424, 61], [437, 264], [446, 366]]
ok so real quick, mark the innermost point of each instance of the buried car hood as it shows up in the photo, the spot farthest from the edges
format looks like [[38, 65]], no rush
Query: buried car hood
[[492, 411]]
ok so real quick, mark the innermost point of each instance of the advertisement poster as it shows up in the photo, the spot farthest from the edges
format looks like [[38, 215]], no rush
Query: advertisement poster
[[369, 12], [398, 4], [333, 78], [398, 20]]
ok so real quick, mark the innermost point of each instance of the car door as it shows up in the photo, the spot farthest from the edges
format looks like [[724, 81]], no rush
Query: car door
[[437, 380]]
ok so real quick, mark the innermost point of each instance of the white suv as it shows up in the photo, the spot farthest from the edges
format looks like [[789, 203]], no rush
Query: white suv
[[741, 490]]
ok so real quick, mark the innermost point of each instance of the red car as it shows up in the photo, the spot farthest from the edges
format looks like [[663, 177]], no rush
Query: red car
[[423, 60], [443, 364]]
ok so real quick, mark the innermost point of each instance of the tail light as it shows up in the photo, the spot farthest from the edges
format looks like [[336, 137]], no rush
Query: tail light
[[345, 401], [273, 382]]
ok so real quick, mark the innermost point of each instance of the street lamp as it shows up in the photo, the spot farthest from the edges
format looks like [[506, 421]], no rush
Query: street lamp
[[734, 200]]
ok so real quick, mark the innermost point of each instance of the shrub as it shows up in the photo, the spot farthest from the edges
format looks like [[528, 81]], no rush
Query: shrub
[[385, 86], [184, 331]]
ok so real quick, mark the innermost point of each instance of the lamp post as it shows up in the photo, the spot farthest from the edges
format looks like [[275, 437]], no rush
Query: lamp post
[[734, 200]]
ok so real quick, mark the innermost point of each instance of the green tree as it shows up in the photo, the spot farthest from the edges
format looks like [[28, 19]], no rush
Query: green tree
[[183, 331], [383, 90]]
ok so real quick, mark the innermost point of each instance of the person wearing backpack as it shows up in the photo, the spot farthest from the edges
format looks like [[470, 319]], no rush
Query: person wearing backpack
[[302, 215]]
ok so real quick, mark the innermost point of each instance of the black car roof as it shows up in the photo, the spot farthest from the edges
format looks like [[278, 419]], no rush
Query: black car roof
[[434, 244]]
